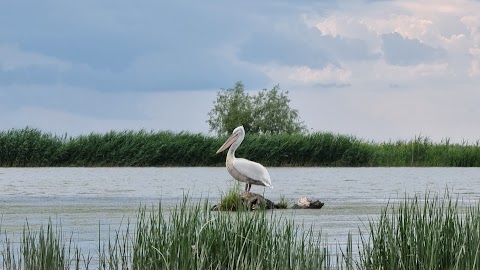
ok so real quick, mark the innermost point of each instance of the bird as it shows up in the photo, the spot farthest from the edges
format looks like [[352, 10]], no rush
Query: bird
[[241, 169]]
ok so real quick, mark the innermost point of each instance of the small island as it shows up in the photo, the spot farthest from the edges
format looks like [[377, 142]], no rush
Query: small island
[[252, 201]]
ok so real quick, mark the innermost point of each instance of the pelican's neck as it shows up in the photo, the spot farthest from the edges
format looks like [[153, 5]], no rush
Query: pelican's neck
[[234, 146], [231, 151]]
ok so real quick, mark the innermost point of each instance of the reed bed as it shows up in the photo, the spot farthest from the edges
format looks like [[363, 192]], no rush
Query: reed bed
[[433, 233], [30, 147], [186, 237], [419, 233], [46, 249], [196, 238]]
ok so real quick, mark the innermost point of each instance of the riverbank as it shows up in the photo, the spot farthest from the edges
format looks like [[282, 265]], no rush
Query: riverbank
[[30, 147]]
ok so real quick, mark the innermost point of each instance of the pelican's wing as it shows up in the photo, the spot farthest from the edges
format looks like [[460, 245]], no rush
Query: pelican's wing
[[253, 170]]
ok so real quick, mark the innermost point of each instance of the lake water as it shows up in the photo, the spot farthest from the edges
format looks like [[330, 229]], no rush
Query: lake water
[[88, 200]]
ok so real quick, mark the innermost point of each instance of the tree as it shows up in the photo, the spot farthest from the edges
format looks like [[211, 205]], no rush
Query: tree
[[232, 108], [273, 115], [268, 112]]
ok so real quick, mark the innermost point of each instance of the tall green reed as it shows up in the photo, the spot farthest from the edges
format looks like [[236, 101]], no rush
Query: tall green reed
[[433, 233], [45, 249], [195, 238], [418, 233], [30, 147]]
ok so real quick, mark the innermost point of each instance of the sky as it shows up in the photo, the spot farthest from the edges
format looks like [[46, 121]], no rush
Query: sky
[[378, 70]]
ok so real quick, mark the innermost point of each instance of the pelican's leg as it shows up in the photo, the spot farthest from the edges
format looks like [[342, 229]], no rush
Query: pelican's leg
[[249, 187], [246, 187]]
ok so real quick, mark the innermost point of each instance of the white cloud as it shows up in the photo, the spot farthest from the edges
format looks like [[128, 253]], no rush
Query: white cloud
[[426, 21], [449, 29], [475, 65], [294, 75], [393, 73], [327, 75]]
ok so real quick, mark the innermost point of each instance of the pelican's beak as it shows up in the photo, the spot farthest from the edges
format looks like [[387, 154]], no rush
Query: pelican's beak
[[227, 143]]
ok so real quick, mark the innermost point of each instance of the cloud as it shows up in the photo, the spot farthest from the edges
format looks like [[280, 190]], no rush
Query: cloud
[[148, 46], [375, 113], [267, 48], [80, 111], [302, 45], [404, 51], [296, 76], [190, 71], [351, 67], [474, 69], [12, 58]]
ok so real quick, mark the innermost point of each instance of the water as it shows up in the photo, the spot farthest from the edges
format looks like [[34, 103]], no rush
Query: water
[[91, 202]]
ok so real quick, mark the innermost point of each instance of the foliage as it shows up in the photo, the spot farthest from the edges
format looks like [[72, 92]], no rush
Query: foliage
[[195, 238], [30, 147], [272, 113], [283, 203], [428, 233], [433, 233], [231, 200], [186, 237], [268, 112], [46, 249], [232, 108]]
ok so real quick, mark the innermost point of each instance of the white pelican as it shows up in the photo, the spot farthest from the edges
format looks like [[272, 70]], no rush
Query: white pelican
[[241, 169]]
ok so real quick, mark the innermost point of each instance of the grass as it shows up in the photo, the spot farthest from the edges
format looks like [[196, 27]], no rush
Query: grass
[[46, 249], [430, 234], [30, 147], [231, 200], [187, 237], [196, 238], [282, 203], [419, 233]]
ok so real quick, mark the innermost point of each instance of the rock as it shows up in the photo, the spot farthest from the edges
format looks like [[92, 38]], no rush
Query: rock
[[254, 201], [305, 203], [251, 201]]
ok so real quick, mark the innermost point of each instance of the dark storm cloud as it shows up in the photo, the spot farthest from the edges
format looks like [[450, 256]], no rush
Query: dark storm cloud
[[103, 42]]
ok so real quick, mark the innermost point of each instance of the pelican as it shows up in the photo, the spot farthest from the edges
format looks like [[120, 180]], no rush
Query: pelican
[[241, 169]]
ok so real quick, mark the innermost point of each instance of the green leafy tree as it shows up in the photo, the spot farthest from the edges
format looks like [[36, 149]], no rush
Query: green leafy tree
[[272, 113], [232, 108], [268, 112]]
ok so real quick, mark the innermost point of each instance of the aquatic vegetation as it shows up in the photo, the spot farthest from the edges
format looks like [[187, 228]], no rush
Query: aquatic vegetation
[[231, 200], [282, 203], [190, 236], [45, 249], [419, 233], [433, 233], [195, 238], [30, 147]]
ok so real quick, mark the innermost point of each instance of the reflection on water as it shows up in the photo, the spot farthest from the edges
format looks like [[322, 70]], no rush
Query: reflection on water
[[88, 200]]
